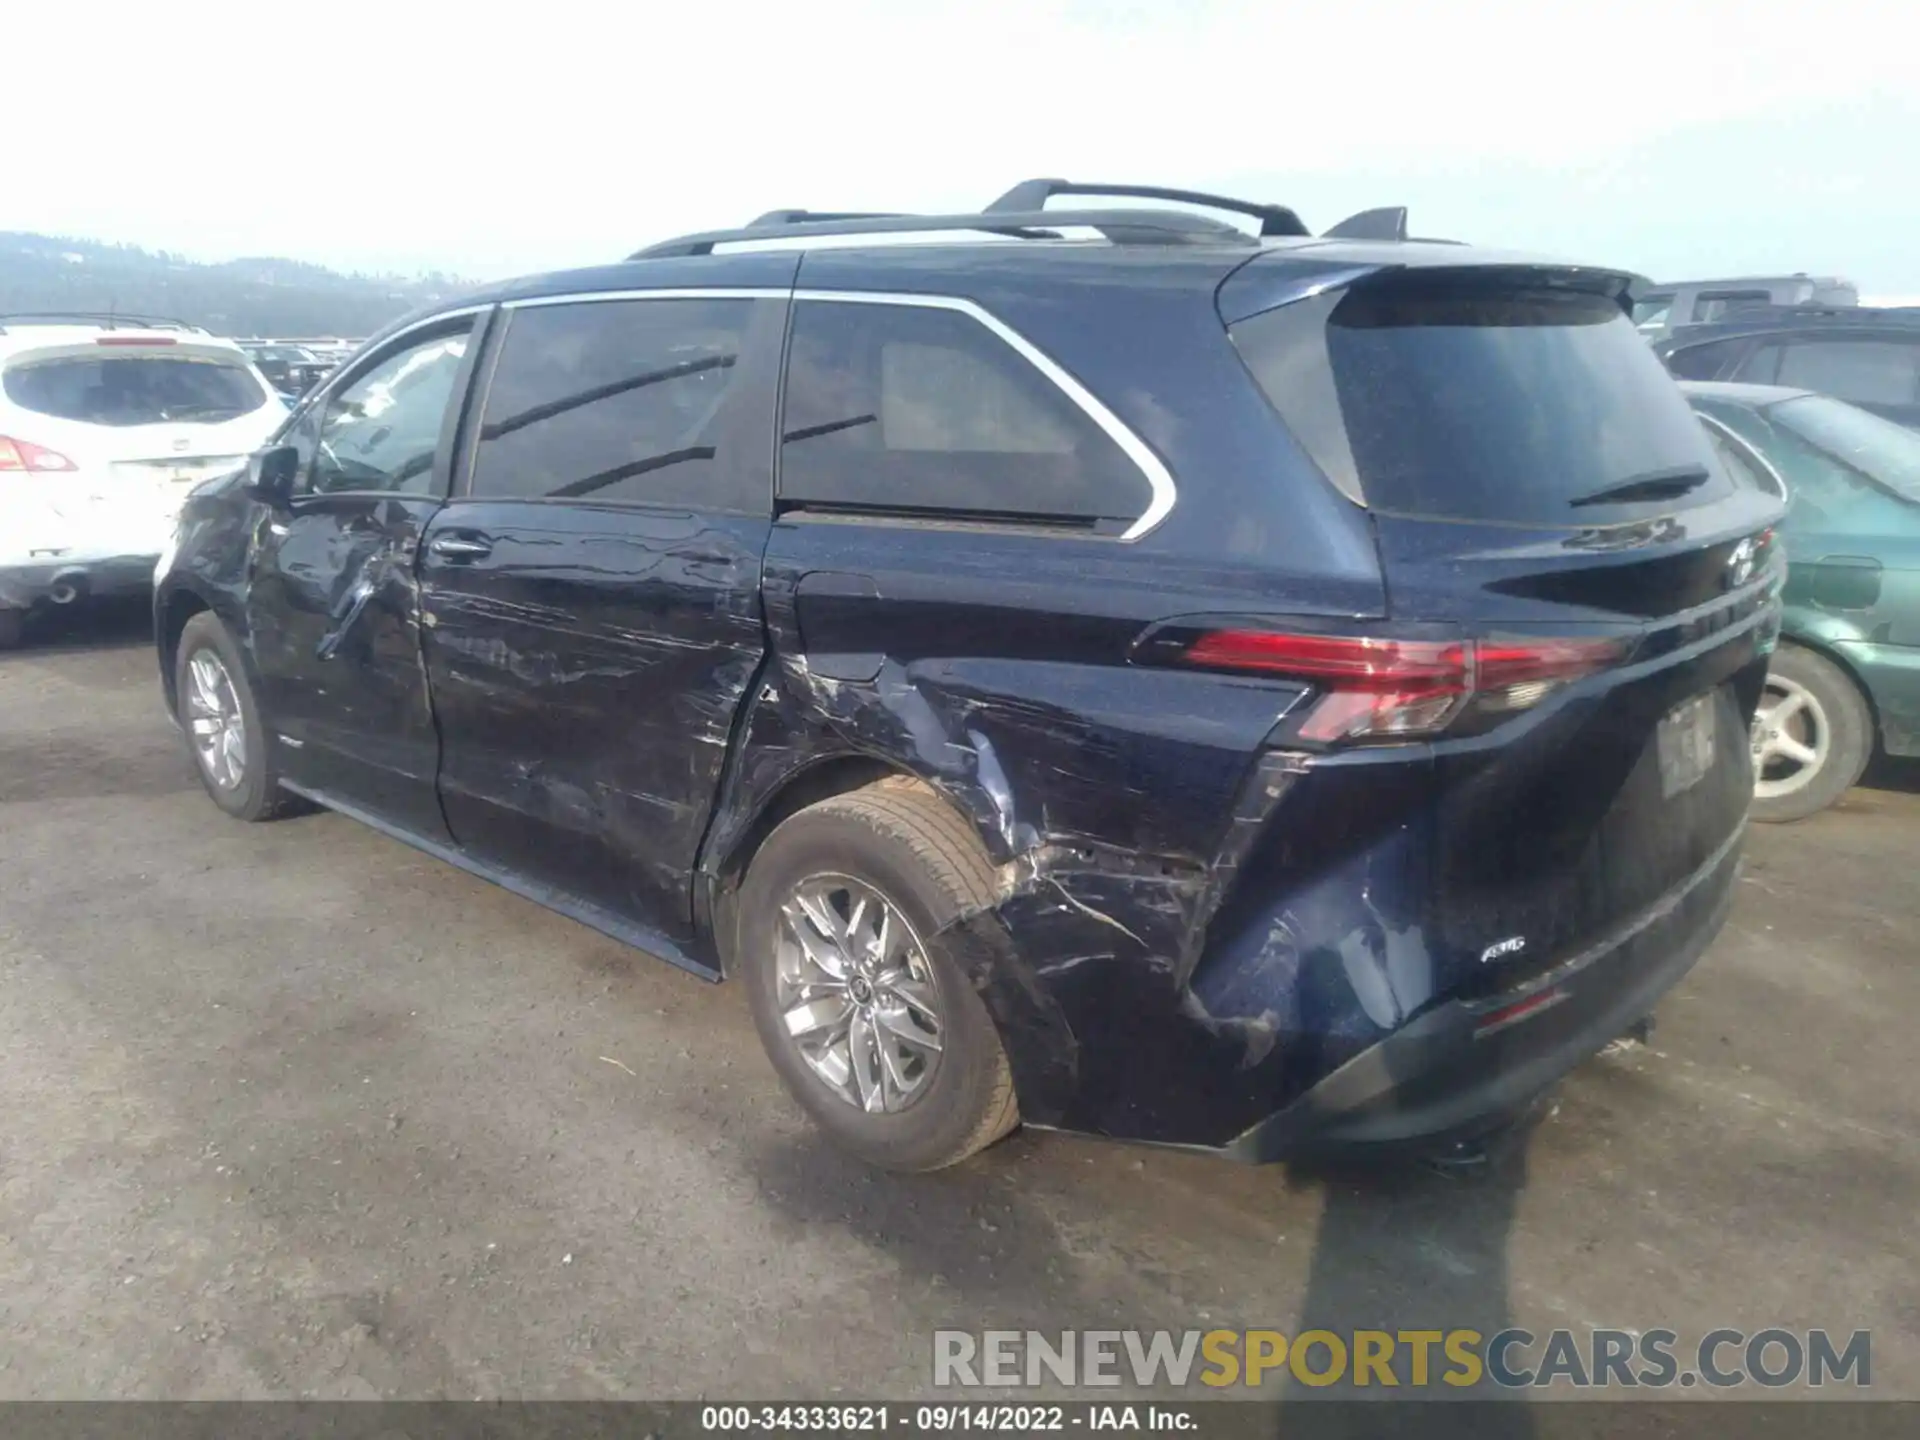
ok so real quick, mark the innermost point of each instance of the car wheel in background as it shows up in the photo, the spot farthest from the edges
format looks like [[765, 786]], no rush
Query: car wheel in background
[[870, 1023], [1812, 736], [13, 624], [216, 710]]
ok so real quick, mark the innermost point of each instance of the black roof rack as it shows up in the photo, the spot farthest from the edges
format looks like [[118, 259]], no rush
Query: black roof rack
[[817, 217], [1032, 195], [1123, 227], [106, 319]]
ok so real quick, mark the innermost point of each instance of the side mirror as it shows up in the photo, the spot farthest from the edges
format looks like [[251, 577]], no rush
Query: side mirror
[[271, 473]]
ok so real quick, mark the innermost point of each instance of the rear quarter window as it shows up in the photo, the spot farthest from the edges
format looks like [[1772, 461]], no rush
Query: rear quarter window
[[916, 409], [1476, 402]]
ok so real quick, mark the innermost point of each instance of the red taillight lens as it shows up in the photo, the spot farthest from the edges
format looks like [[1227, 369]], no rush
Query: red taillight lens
[[142, 340], [19, 455], [1385, 689]]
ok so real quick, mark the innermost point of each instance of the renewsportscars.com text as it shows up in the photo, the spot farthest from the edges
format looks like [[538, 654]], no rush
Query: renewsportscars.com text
[[1512, 1359]]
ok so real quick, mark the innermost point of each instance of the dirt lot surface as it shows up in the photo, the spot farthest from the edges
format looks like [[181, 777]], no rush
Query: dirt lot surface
[[292, 1110]]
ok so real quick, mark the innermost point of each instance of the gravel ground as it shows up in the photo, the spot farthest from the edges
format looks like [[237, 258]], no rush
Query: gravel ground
[[290, 1110]]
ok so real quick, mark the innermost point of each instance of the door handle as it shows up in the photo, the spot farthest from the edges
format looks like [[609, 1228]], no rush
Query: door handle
[[459, 547]]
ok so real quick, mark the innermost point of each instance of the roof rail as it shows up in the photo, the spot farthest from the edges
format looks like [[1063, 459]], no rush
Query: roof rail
[[106, 319], [815, 217], [1122, 227], [1032, 195]]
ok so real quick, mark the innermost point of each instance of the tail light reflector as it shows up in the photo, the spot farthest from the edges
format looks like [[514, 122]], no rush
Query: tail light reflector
[[1379, 689], [24, 455]]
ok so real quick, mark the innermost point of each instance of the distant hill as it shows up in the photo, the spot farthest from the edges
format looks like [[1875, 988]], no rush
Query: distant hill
[[232, 297]]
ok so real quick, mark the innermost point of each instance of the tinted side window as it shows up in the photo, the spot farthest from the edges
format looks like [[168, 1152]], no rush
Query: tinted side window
[[615, 400], [1871, 372], [380, 431], [908, 408], [1705, 362]]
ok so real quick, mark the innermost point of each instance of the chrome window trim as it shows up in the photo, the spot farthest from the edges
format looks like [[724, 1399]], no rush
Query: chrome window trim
[[1748, 450], [363, 361], [1160, 482], [589, 297]]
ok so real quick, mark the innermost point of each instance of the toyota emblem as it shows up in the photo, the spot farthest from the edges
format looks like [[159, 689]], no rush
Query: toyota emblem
[[1740, 564]]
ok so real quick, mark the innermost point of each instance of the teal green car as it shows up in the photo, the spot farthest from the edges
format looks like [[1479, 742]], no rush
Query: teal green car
[[1847, 674]]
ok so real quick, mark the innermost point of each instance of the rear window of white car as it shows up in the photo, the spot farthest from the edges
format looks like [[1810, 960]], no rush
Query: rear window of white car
[[134, 390]]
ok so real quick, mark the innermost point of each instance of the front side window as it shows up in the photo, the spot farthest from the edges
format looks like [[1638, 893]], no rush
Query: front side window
[[380, 432], [903, 408], [135, 390], [612, 400]]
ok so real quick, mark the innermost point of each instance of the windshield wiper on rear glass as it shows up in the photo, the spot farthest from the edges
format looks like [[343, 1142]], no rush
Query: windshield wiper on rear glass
[[1668, 484]]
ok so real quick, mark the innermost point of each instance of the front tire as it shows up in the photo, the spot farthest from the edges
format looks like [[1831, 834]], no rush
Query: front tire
[[869, 1021], [221, 720], [1812, 736]]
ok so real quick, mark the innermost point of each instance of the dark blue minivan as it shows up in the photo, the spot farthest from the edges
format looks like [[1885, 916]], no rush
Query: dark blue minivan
[[1170, 677]]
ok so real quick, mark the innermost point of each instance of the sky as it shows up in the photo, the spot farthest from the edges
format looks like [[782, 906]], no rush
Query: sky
[[1678, 139]]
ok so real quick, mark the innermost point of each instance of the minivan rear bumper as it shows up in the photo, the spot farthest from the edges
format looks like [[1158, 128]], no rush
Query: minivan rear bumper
[[1464, 1066]]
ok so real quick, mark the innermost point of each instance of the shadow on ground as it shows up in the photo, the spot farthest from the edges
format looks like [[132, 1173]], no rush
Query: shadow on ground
[[89, 625]]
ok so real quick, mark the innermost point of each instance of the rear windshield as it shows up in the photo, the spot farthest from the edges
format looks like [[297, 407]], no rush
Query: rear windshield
[[1469, 403], [134, 390], [1886, 453]]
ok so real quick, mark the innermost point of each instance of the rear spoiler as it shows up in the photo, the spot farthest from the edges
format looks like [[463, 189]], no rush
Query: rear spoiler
[[1280, 277]]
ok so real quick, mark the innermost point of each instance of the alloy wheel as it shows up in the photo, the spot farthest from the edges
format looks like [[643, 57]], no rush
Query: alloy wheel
[[1790, 740], [857, 994], [215, 721]]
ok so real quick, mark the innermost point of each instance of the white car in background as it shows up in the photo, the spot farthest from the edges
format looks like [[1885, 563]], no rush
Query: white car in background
[[106, 422]]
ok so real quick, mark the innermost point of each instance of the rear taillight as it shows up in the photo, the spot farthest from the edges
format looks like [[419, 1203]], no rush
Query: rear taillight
[[141, 340], [1379, 689], [18, 455]]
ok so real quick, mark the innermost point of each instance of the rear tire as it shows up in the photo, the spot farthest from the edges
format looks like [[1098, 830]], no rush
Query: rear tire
[[898, 847], [211, 689], [1812, 736], [13, 625]]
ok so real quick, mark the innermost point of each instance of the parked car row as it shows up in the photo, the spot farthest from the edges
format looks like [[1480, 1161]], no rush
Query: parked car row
[[1847, 675], [1812, 396], [292, 369], [1203, 683]]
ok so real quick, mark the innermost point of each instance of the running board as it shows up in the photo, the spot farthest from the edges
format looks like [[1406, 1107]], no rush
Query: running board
[[594, 917]]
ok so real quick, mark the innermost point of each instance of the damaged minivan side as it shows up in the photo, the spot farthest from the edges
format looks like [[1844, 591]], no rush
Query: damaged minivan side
[[1235, 692]]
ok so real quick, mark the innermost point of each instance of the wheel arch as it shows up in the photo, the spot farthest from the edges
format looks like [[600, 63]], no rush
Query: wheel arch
[[179, 605], [820, 778]]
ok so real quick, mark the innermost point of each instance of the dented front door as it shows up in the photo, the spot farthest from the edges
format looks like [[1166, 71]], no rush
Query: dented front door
[[591, 595], [334, 605]]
